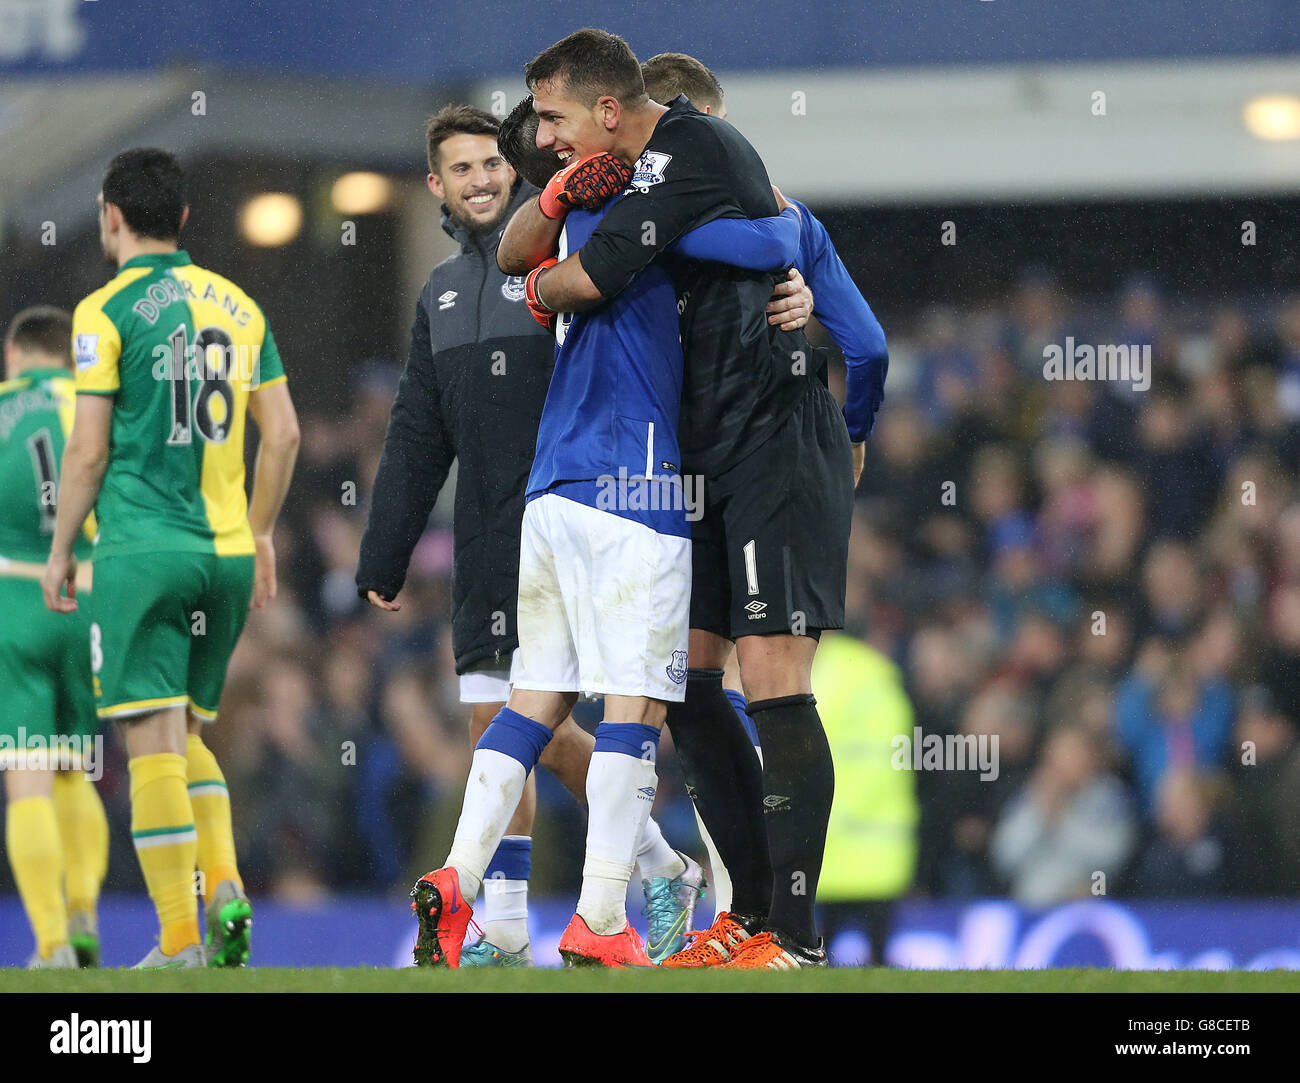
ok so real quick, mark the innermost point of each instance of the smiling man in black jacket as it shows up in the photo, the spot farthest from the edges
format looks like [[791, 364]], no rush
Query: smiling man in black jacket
[[473, 389]]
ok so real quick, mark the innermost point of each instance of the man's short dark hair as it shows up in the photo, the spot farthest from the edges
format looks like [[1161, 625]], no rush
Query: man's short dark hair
[[670, 74], [148, 186], [43, 329], [517, 142], [456, 120], [592, 63]]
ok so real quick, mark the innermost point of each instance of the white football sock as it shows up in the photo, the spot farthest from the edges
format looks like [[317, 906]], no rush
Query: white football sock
[[654, 857], [505, 913], [721, 878], [617, 813], [492, 792]]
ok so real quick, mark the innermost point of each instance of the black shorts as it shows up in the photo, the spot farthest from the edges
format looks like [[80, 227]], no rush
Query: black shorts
[[770, 552]]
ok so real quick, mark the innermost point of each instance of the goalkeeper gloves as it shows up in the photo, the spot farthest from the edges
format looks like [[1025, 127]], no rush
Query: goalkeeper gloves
[[539, 311], [586, 183]]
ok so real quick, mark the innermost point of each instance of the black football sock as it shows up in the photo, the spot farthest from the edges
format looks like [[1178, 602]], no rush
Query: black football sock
[[798, 785], [725, 780]]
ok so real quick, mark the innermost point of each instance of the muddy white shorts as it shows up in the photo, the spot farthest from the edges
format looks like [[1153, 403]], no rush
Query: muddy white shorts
[[604, 603]]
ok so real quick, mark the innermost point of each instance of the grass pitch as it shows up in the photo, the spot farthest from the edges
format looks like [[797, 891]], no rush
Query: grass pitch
[[373, 980]]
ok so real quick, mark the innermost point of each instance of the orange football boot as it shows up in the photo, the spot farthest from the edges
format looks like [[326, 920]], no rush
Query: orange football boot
[[579, 946], [764, 951], [713, 946], [443, 915]]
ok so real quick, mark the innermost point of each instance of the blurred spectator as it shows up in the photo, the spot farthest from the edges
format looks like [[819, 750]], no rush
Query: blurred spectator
[[1266, 771], [1188, 858], [1110, 559], [292, 836], [1171, 586], [947, 379], [1174, 464], [1282, 668], [1168, 717], [1070, 822], [1037, 318], [960, 808], [1288, 335], [1018, 585], [1069, 512]]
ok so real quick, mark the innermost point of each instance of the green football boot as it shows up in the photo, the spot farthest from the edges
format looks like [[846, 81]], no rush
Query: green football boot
[[230, 926]]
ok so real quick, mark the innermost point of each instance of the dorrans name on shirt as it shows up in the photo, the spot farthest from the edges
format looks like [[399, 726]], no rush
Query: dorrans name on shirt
[[167, 291]]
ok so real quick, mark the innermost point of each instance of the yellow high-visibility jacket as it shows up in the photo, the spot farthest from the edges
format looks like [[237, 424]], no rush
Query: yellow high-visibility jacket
[[871, 843]]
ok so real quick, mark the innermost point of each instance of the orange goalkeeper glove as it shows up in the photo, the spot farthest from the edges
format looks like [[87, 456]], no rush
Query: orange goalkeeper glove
[[539, 311], [586, 183]]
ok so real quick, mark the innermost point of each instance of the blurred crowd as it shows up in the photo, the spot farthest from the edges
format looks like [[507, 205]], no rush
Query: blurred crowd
[[1106, 579]]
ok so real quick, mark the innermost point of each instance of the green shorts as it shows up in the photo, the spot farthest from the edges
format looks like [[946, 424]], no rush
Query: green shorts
[[163, 629], [45, 688]]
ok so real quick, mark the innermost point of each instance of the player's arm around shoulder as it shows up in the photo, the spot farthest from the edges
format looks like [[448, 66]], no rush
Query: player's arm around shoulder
[[529, 238], [528, 247], [277, 424]]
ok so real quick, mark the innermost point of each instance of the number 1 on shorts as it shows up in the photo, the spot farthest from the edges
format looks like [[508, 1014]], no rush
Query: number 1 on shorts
[[751, 566]]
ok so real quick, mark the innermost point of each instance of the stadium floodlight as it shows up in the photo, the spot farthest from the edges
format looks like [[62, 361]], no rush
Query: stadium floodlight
[[1274, 117], [361, 193], [271, 219]]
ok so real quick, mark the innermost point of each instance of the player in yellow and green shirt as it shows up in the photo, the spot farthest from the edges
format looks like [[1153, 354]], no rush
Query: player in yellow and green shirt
[[56, 834], [170, 360]]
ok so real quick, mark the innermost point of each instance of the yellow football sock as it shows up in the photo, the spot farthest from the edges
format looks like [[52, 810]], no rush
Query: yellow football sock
[[162, 827], [84, 830], [36, 856], [211, 801]]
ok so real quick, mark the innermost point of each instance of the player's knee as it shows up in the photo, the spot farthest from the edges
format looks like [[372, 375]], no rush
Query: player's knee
[[548, 708], [156, 732], [480, 717], [638, 710], [707, 650], [777, 682], [772, 667]]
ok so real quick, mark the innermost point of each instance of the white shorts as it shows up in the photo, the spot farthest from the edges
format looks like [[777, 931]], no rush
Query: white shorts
[[487, 685], [604, 603]]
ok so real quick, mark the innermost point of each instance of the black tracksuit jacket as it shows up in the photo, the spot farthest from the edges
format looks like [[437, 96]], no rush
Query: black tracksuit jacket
[[472, 390]]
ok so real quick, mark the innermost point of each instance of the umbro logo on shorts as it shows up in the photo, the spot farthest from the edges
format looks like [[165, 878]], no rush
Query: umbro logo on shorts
[[775, 801], [648, 792], [676, 669], [755, 609]]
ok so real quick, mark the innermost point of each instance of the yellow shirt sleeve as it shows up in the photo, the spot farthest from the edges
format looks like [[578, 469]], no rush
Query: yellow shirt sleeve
[[96, 348]]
